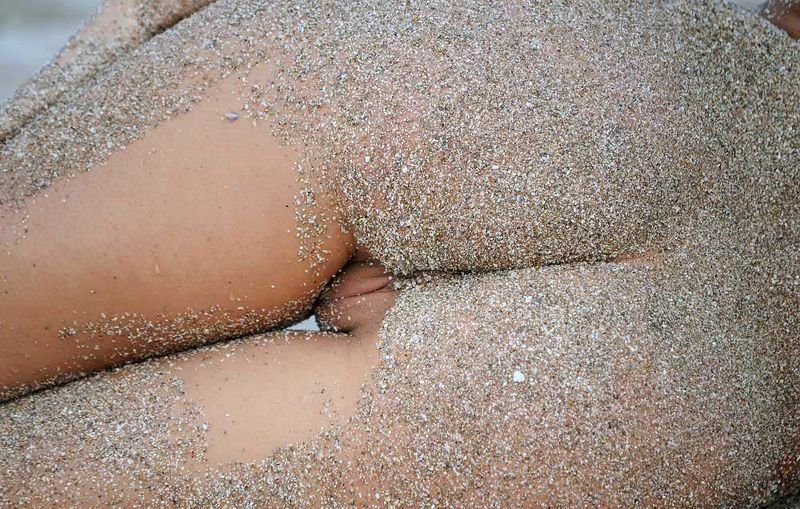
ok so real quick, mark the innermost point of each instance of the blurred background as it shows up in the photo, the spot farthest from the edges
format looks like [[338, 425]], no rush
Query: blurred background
[[31, 32]]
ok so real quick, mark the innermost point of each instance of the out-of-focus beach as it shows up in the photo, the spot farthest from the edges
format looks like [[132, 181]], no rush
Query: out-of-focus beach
[[31, 32]]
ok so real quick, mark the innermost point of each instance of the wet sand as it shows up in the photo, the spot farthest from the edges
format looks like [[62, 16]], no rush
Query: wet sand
[[637, 169], [642, 382]]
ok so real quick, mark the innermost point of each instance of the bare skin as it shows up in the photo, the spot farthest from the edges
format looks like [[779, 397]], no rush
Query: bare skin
[[258, 396], [224, 389], [145, 241], [298, 386], [785, 14], [62, 313], [261, 394]]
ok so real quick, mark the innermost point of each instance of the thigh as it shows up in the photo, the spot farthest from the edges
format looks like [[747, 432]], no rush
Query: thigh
[[146, 433], [615, 384], [187, 229]]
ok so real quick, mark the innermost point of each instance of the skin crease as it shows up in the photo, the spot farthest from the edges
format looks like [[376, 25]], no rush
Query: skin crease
[[355, 297], [354, 302], [260, 395], [122, 239], [280, 383], [34, 351]]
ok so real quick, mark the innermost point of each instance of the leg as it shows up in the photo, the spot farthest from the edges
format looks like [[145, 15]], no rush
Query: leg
[[241, 401], [200, 411], [568, 386], [134, 258]]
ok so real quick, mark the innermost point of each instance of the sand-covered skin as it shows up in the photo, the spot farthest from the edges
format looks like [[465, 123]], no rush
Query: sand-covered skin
[[463, 137], [116, 27], [553, 133], [670, 381], [108, 439]]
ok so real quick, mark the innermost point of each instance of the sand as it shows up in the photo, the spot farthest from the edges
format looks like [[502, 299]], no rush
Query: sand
[[638, 173], [116, 27], [664, 382]]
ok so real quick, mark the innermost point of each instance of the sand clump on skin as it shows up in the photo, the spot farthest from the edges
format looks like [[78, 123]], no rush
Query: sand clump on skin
[[643, 382], [174, 332], [532, 134], [464, 137]]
